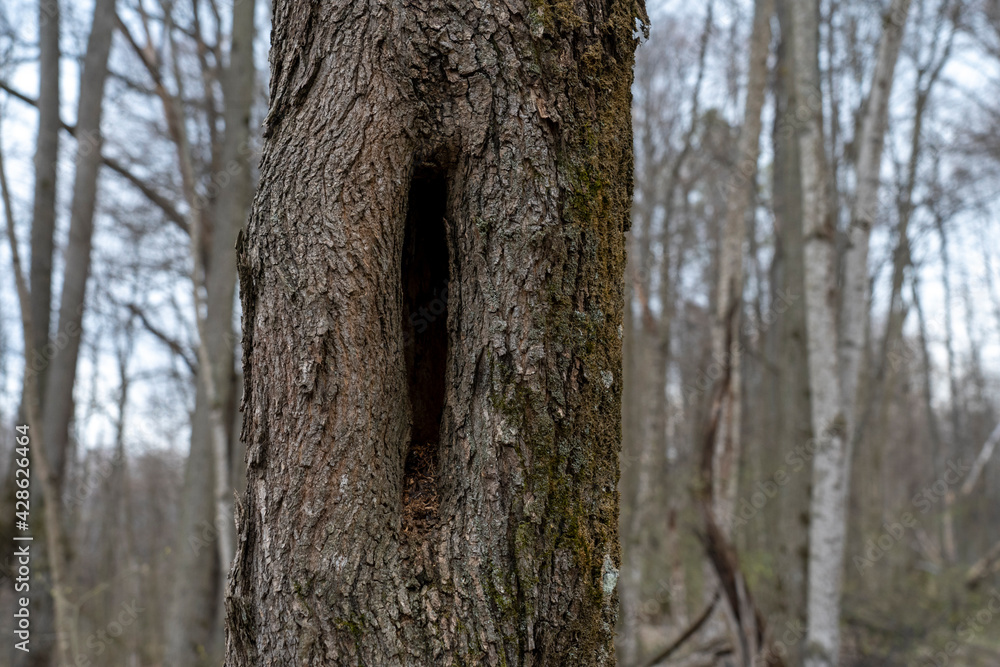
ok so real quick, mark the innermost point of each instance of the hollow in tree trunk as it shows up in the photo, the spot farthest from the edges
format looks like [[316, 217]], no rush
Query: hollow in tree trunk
[[432, 289]]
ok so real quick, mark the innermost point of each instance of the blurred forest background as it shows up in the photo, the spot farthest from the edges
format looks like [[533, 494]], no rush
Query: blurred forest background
[[129, 136]]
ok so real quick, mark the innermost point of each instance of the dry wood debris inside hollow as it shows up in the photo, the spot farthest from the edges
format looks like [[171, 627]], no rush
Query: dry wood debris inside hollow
[[424, 274]]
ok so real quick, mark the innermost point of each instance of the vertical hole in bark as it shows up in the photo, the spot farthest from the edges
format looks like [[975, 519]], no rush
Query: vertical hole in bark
[[425, 326]]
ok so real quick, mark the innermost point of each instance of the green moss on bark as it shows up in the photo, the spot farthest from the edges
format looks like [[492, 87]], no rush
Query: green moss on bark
[[573, 438]]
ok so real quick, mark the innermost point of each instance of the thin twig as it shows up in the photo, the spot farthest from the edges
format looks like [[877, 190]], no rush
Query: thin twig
[[687, 634]]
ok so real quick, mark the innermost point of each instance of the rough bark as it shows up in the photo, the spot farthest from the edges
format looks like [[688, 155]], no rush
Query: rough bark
[[482, 148]]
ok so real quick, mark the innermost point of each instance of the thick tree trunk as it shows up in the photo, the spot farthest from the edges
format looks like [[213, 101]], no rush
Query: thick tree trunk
[[432, 303]]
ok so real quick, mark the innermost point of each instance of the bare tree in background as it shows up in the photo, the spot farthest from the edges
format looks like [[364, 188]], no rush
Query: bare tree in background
[[729, 294], [834, 360], [49, 403], [205, 538]]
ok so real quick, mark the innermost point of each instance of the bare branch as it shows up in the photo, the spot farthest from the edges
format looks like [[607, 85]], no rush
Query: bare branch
[[147, 190], [174, 345]]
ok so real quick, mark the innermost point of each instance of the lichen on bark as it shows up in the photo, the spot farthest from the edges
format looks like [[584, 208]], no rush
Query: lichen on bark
[[524, 109]]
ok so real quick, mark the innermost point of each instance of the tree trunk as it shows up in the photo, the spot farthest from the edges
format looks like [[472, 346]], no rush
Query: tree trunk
[[43, 219], [787, 517], [826, 529], [190, 619], [432, 301], [729, 294], [43, 225], [58, 404], [854, 301], [206, 538], [834, 360], [55, 384]]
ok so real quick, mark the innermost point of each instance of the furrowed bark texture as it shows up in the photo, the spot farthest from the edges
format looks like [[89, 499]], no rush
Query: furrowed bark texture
[[436, 251]]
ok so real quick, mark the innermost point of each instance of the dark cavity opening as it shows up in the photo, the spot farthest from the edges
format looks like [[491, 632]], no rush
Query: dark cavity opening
[[425, 335]]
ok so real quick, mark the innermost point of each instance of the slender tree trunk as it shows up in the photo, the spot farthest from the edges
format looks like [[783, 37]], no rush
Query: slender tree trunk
[[206, 537], [217, 340], [834, 364], [639, 442], [43, 219], [854, 300], [190, 619], [633, 454], [43, 225], [925, 372], [55, 411], [881, 392], [58, 404], [957, 425], [729, 294], [826, 526], [787, 516], [432, 476]]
